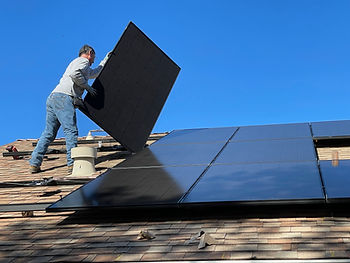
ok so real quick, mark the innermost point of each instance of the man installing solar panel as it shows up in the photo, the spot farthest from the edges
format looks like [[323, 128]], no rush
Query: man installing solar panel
[[61, 104]]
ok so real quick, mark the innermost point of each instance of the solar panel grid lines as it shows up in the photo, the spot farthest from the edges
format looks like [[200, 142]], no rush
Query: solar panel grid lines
[[204, 172], [268, 137], [319, 168]]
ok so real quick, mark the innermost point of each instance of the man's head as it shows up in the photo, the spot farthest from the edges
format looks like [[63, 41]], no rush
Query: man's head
[[87, 52]]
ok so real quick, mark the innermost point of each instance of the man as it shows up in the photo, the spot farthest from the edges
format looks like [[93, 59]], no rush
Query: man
[[60, 106]]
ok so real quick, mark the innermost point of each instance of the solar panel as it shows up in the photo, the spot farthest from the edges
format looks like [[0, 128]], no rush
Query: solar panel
[[336, 177], [131, 89], [277, 131], [290, 150], [331, 129], [258, 182], [205, 166], [132, 187], [182, 154], [203, 135]]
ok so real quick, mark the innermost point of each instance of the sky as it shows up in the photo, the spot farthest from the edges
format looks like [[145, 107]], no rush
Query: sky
[[243, 62]]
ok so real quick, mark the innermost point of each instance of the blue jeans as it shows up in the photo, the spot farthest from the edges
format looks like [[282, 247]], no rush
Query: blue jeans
[[59, 111]]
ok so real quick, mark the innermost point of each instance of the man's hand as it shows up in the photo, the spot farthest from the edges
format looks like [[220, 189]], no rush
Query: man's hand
[[78, 102], [103, 62], [92, 91]]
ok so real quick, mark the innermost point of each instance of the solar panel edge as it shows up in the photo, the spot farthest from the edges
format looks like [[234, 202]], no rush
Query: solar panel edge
[[52, 206], [133, 25]]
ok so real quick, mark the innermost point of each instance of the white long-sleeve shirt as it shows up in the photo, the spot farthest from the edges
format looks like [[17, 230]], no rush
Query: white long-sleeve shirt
[[75, 78]]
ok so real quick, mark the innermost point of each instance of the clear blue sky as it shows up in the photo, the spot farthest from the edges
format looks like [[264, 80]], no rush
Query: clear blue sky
[[244, 62]]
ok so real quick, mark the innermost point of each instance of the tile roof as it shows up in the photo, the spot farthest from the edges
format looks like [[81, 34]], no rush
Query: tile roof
[[109, 236]]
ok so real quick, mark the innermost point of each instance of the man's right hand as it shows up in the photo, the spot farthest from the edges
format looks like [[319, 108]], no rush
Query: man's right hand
[[103, 62]]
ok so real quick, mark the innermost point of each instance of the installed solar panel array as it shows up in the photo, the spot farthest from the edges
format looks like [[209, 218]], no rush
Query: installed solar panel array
[[263, 163], [259, 164]]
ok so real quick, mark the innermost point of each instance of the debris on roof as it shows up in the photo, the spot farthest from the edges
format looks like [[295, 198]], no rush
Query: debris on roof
[[204, 239], [145, 234]]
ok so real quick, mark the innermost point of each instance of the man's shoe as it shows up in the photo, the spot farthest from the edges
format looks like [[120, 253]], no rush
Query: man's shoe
[[35, 169], [70, 169]]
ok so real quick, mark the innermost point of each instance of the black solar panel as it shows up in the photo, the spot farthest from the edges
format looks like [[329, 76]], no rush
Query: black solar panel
[[182, 154], [278, 131], [336, 176], [132, 187], [329, 129], [272, 165], [132, 89], [198, 136], [258, 182], [291, 150]]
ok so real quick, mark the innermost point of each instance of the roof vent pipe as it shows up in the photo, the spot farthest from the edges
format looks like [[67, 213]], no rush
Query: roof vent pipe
[[84, 161], [90, 136]]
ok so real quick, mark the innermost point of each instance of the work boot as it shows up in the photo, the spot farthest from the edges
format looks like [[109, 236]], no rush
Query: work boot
[[70, 169], [35, 169]]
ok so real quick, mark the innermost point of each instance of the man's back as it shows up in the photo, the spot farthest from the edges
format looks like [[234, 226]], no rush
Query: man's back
[[66, 84]]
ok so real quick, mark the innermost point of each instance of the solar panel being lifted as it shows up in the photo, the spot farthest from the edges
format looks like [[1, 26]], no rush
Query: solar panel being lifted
[[131, 89]]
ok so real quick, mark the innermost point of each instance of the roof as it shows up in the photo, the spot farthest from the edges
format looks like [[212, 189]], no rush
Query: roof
[[91, 237]]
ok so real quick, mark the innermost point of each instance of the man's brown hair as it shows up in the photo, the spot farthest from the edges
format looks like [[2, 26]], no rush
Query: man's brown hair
[[86, 49]]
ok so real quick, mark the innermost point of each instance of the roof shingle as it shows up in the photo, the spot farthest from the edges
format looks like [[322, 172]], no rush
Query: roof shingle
[[110, 236]]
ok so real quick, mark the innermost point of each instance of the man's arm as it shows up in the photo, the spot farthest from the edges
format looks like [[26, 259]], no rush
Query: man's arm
[[79, 76], [93, 73]]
